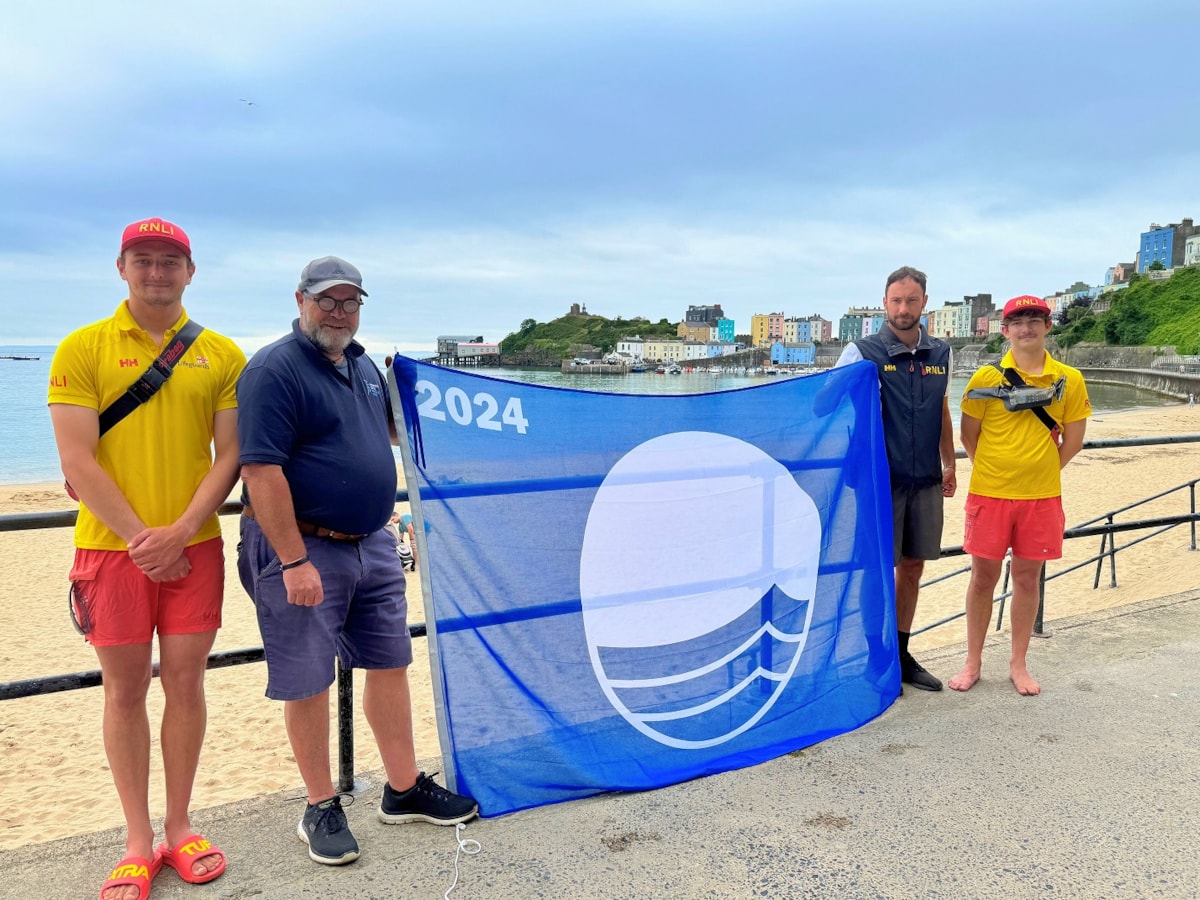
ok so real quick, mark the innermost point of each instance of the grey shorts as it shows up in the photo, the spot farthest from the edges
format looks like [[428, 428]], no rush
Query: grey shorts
[[917, 522], [363, 618]]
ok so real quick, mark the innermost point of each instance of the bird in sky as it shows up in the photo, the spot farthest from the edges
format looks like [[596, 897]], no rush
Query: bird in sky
[[247, 102]]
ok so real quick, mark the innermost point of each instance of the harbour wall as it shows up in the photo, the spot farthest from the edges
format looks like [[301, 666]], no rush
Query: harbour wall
[[1180, 385]]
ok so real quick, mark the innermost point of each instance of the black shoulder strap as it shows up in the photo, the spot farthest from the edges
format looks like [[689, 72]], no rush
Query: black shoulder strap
[[151, 380], [1017, 381]]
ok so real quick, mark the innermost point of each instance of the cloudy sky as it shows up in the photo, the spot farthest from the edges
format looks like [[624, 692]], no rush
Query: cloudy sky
[[484, 162]]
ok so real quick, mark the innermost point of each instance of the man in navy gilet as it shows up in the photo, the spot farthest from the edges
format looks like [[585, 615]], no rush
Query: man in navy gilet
[[914, 387]]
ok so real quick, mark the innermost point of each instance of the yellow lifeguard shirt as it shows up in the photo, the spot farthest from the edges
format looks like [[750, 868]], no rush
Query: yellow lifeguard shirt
[[160, 452], [1017, 458]]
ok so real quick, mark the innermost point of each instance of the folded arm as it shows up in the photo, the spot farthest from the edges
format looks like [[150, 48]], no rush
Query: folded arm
[[156, 548]]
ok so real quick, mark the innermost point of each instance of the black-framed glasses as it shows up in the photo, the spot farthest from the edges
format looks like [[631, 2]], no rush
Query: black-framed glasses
[[328, 304]]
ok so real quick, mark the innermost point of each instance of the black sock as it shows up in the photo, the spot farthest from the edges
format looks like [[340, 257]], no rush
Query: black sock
[[903, 635]]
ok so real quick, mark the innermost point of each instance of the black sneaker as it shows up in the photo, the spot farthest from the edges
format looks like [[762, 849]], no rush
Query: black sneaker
[[425, 801], [912, 672], [325, 829]]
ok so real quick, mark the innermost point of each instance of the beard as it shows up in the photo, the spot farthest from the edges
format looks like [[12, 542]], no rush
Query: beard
[[904, 322], [328, 340]]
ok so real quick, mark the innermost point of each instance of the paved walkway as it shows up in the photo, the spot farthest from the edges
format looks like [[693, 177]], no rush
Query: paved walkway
[[1091, 790]]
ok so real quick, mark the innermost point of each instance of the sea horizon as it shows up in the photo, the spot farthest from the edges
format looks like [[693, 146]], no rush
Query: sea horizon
[[32, 457]]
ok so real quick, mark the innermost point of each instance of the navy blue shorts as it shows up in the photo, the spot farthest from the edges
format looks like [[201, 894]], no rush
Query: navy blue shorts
[[363, 618]]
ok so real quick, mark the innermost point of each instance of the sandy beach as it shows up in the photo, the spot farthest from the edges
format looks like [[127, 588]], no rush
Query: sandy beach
[[51, 744]]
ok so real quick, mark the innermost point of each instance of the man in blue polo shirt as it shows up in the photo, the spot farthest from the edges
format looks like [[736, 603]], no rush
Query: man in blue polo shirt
[[318, 559]]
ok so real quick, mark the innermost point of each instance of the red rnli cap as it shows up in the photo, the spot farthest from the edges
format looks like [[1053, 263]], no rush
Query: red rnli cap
[[155, 230], [1023, 303]]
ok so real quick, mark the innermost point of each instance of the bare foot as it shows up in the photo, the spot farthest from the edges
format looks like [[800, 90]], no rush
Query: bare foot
[[964, 680], [1023, 681]]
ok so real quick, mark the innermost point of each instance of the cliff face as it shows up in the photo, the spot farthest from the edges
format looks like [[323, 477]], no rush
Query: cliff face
[[533, 357]]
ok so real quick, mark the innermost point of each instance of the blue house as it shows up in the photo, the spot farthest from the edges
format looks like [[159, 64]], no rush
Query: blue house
[[1166, 244], [799, 354], [1156, 246]]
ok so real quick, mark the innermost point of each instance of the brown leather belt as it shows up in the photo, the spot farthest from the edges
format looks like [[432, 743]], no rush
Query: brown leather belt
[[308, 529]]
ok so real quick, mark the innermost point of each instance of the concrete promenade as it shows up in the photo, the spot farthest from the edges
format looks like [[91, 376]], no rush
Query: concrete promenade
[[1090, 790]]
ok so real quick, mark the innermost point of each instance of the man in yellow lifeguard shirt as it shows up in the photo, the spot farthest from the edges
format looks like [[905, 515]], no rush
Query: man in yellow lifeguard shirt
[[1015, 499], [148, 543]]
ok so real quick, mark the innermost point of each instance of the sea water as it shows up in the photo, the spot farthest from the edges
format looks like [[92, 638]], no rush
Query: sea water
[[29, 454]]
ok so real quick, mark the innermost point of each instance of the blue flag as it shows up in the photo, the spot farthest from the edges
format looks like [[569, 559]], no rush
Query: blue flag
[[628, 591]]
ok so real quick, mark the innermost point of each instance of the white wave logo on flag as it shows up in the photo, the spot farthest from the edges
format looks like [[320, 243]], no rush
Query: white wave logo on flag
[[697, 577]]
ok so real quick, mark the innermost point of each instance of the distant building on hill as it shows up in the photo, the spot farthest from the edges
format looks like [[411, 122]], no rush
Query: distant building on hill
[[820, 328], [696, 331], [1191, 251], [981, 305], [955, 319], [796, 330], [710, 315], [766, 328], [698, 318], [858, 322], [1165, 244], [1119, 274]]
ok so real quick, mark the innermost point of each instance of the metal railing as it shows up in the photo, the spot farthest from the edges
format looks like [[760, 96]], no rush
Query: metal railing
[[1107, 532], [345, 681], [52, 684]]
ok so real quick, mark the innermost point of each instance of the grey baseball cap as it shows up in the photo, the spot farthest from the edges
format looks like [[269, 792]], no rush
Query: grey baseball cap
[[322, 274]]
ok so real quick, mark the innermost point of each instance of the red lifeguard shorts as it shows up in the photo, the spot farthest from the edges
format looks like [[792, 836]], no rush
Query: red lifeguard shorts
[[114, 603], [1033, 528]]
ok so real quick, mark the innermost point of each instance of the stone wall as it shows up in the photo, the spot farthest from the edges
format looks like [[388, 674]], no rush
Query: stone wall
[[1170, 384], [1101, 356], [970, 357]]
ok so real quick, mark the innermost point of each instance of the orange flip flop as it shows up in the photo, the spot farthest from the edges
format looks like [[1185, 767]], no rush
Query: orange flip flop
[[183, 857], [135, 871]]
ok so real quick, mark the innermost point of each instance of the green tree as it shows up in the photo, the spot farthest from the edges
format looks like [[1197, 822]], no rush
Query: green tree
[[1156, 266]]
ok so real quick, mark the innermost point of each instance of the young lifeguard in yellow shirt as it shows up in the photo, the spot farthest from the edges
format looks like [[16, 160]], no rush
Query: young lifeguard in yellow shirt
[[1015, 498], [148, 552]]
